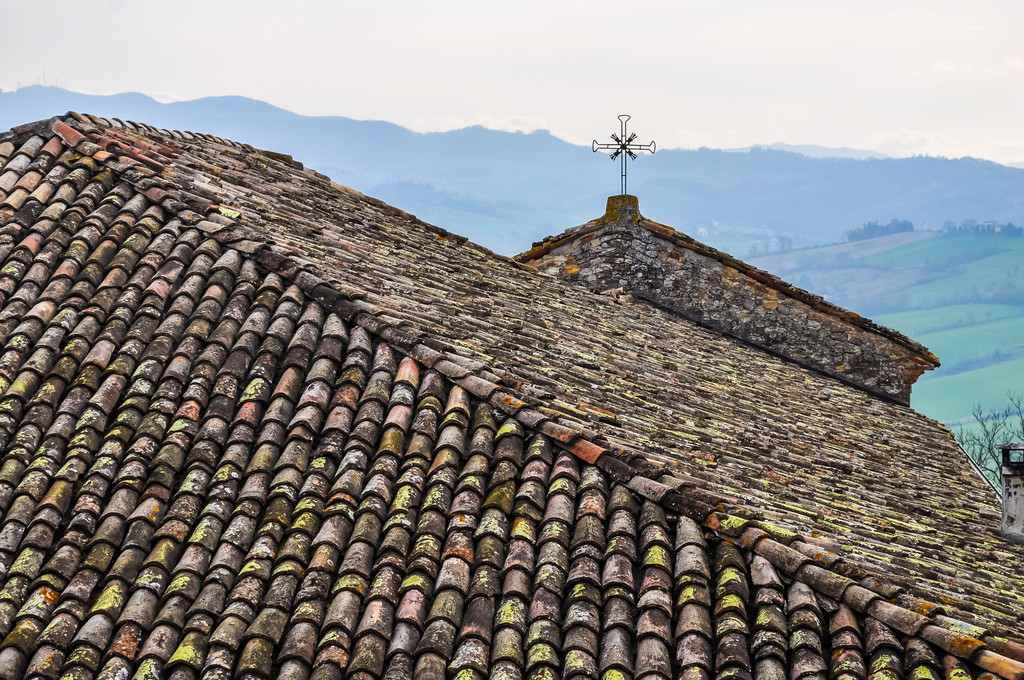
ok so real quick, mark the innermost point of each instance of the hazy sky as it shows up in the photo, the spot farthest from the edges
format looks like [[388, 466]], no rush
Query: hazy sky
[[913, 77]]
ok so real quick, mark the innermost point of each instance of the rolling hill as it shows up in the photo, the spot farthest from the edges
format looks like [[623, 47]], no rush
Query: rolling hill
[[961, 295], [505, 190]]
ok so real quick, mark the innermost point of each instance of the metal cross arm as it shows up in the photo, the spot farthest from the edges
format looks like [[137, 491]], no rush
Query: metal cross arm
[[623, 147]]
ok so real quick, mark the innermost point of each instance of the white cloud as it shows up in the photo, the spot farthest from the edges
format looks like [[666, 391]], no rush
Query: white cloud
[[909, 142], [691, 73], [947, 66]]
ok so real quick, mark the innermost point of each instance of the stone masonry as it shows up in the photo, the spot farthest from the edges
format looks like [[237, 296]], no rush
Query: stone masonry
[[623, 250]]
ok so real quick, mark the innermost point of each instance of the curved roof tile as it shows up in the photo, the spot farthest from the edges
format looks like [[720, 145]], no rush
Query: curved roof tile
[[255, 425]]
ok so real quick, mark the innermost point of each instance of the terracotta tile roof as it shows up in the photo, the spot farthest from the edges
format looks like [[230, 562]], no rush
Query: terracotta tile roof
[[257, 425]]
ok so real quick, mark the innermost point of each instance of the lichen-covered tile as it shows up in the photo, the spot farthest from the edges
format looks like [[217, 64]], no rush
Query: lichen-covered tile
[[302, 465]]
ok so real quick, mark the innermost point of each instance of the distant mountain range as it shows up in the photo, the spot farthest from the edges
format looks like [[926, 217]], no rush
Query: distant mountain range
[[815, 151], [505, 190]]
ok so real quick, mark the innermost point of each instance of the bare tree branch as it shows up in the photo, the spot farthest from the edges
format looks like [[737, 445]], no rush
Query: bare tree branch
[[990, 430]]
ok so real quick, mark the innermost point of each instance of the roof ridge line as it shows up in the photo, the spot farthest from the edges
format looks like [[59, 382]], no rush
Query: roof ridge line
[[94, 122], [29, 129], [702, 505]]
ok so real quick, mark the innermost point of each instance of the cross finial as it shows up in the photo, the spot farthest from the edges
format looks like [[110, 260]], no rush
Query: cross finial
[[623, 147]]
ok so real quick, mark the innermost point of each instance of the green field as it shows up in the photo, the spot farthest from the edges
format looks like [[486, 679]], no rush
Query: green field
[[917, 323], [950, 398], [955, 270], [962, 296], [984, 341], [943, 249]]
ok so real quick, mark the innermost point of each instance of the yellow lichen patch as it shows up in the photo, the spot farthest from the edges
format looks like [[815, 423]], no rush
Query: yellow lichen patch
[[922, 673], [414, 582], [522, 528], [725, 523], [189, 654], [656, 555], [111, 599], [46, 391], [254, 389], [229, 212], [729, 575], [541, 654], [779, 533], [571, 269], [731, 602], [688, 594]]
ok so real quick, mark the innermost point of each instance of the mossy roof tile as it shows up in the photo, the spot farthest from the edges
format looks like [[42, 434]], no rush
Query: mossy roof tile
[[332, 472]]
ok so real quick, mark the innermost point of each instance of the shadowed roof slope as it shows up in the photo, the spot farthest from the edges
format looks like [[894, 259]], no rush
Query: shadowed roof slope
[[255, 424]]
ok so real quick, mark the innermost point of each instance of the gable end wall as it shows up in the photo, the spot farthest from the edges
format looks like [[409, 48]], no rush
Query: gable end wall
[[707, 291]]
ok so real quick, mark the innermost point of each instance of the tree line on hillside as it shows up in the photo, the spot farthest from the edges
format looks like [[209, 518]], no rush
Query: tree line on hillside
[[771, 246], [971, 226], [874, 229]]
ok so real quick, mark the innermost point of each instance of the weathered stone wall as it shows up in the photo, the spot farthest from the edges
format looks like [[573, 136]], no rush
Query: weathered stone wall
[[621, 252]]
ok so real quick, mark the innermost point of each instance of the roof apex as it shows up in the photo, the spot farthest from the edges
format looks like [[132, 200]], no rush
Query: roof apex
[[622, 207]]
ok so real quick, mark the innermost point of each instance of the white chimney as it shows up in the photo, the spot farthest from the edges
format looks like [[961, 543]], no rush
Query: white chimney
[[1013, 491]]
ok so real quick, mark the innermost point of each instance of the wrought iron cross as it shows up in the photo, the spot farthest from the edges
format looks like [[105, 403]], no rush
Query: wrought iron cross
[[623, 147]]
